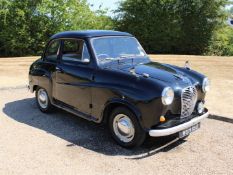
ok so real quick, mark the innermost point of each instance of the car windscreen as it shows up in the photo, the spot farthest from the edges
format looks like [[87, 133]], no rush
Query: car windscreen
[[114, 48]]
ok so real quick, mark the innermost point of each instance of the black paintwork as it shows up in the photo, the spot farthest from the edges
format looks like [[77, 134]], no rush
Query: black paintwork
[[91, 91], [88, 34]]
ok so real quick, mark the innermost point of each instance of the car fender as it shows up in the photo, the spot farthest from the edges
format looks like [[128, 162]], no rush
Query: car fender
[[121, 102]]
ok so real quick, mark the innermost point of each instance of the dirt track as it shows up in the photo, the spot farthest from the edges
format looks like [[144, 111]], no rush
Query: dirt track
[[60, 143]]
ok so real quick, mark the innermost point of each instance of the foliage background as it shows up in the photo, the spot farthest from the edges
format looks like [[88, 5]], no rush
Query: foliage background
[[162, 26], [26, 25]]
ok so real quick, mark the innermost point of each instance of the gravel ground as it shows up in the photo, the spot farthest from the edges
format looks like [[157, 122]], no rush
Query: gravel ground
[[59, 143]]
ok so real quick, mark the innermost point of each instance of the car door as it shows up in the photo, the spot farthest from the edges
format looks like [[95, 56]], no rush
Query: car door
[[46, 68], [74, 75]]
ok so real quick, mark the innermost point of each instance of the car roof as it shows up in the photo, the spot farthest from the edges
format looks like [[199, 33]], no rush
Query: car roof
[[88, 34]]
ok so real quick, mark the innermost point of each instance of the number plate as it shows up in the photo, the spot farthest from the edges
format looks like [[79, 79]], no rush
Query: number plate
[[186, 132]]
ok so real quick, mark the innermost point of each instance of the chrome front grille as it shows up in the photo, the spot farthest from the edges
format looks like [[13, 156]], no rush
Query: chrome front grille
[[188, 101]]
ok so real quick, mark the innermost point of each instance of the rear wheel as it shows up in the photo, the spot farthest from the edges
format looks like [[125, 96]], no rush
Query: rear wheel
[[43, 101], [125, 128]]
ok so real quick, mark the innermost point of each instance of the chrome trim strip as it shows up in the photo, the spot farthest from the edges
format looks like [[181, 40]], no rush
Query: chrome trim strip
[[181, 127]]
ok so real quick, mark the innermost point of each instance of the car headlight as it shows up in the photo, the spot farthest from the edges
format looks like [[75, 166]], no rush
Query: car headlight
[[205, 85], [167, 96]]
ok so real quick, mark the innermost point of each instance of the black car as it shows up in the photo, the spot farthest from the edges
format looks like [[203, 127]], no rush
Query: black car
[[106, 76]]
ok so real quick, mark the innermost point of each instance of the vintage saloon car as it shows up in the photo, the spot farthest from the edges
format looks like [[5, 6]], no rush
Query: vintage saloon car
[[106, 76]]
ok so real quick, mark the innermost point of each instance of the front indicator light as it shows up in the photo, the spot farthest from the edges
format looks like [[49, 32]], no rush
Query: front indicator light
[[162, 119]]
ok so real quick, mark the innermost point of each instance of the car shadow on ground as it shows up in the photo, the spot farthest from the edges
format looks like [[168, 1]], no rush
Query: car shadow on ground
[[221, 118], [79, 132]]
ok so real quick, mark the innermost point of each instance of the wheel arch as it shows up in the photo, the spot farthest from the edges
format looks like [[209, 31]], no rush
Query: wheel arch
[[114, 103], [34, 88]]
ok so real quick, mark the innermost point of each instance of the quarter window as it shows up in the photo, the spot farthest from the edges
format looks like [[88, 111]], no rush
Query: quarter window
[[75, 50], [52, 51]]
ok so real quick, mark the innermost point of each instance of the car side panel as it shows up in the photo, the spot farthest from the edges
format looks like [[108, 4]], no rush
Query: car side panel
[[121, 88], [73, 86]]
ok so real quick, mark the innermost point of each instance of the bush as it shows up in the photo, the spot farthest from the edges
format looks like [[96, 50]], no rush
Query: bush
[[172, 26], [221, 42]]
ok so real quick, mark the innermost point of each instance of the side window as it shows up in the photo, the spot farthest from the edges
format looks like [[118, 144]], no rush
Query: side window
[[75, 50], [52, 51]]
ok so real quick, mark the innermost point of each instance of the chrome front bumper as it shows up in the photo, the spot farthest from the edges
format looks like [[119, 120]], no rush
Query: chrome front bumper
[[178, 128]]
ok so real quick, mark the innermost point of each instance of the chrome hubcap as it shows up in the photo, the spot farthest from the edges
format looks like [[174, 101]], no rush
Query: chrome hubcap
[[42, 98], [123, 128]]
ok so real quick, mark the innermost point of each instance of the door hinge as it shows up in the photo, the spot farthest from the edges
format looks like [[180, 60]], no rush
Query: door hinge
[[93, 78], [90, 106]]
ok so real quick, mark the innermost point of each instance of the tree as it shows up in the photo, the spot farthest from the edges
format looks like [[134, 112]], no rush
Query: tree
[[199, 19], [152, 22], [73, 15], [221, 42], [26, 25], [16, 20], [172, 26]]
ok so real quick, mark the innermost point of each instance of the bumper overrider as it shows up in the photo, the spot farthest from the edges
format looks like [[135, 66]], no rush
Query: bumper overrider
[[178, 128]]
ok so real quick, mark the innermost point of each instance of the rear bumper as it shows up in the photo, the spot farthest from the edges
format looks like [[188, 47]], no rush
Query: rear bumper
[[176, 129]]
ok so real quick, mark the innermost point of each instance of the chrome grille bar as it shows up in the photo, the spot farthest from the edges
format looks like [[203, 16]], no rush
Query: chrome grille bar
[[188, 101]]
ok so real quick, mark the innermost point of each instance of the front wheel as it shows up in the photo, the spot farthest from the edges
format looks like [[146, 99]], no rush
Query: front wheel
[[43, 101], [125, 128]]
